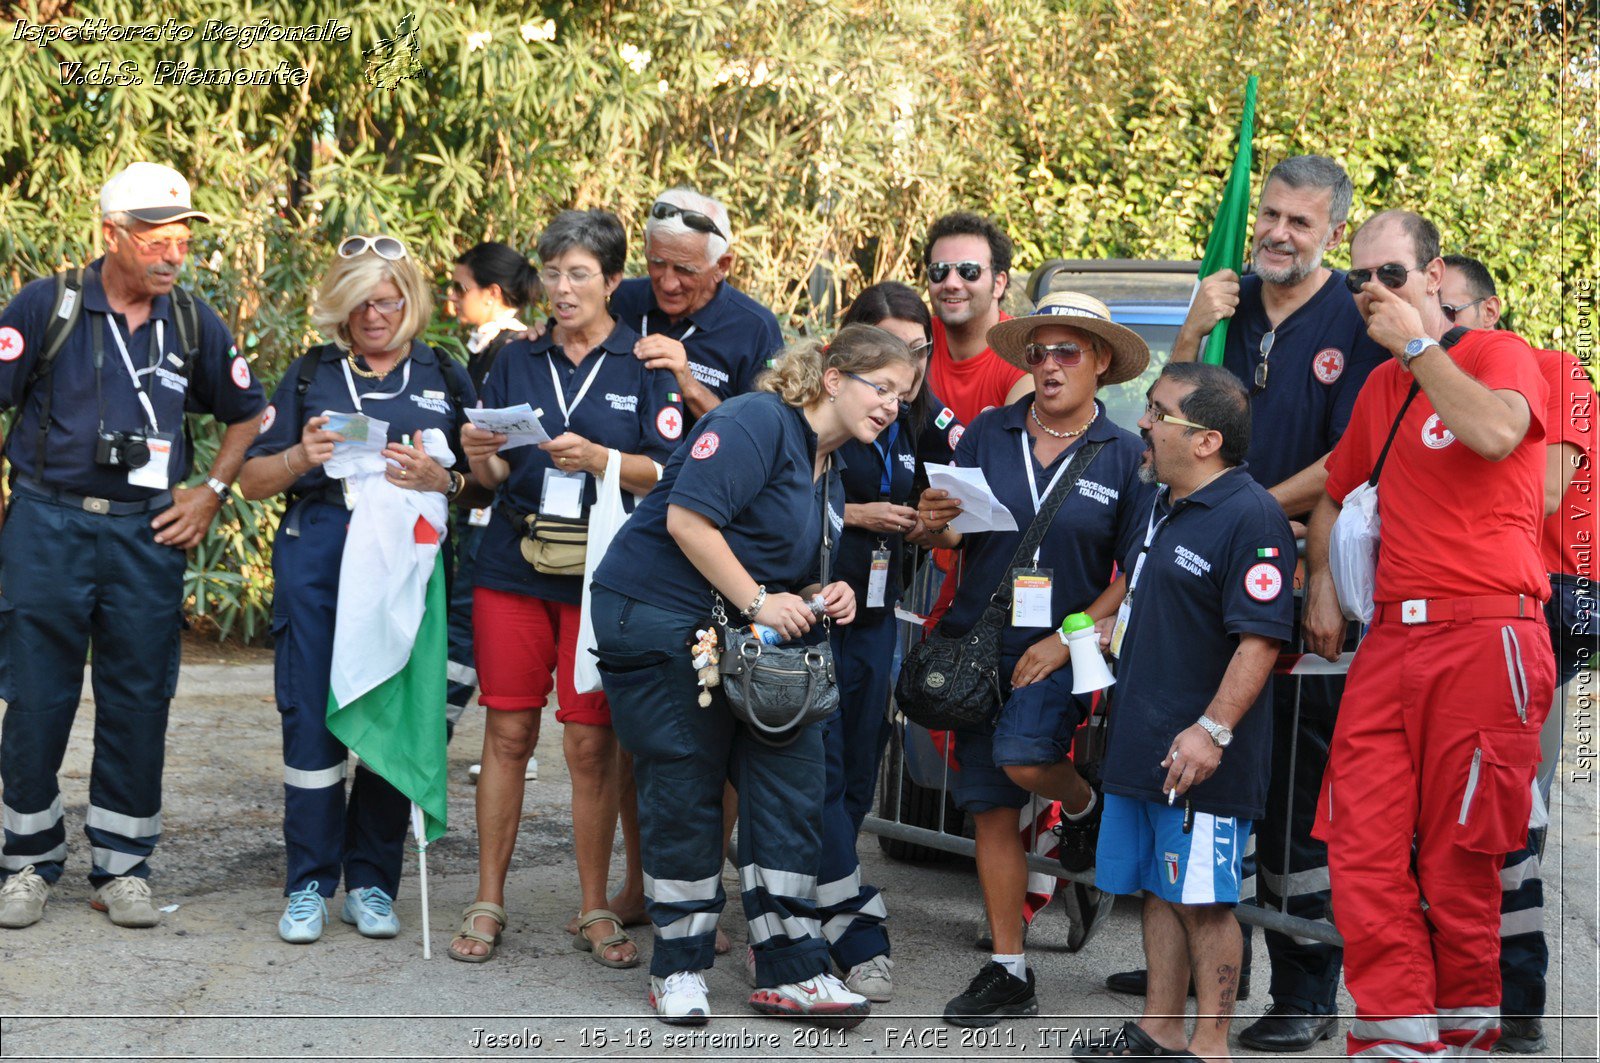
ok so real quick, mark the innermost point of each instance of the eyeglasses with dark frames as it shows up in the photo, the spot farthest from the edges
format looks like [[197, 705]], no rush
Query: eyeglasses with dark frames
[[1265, 352]]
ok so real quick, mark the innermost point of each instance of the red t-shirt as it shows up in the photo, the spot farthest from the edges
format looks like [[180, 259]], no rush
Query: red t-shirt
[[971, 386], [1455, 525], [1567, 542]]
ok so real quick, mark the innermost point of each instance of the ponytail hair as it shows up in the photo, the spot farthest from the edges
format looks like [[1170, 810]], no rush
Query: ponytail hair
[[796, 375], [497, 263]]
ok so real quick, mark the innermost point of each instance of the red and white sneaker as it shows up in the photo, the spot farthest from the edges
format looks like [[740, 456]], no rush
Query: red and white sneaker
[[680, 998], [823, 999]]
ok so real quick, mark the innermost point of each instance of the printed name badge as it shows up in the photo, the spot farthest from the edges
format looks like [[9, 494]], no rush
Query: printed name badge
[[878, 579], [479, 518], [153, 473], [1120, 628], [563, 494], [1030, 597]]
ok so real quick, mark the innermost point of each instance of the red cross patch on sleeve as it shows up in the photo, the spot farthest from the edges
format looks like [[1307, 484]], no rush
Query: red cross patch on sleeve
[[1263, 582]]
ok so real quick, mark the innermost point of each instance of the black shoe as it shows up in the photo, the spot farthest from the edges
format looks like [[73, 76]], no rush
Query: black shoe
[[1286, 1028], [1087, 910], [1521, 1036], [994, 994], [1137, 983], [1079, 837]]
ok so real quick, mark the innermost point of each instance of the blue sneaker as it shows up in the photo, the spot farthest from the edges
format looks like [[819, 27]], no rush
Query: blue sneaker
[[372, 911], [303, 918]]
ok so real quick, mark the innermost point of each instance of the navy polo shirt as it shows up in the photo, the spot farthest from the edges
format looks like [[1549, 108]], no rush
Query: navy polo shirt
[[870, 468], [1320, 357], [748, 469], [1221, 566], [1093, 527], [939, 433], [412, 397], [627, 408], [221, 384], [732, 341]]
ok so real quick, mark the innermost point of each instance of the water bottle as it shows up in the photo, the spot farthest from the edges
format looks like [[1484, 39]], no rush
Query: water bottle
[[765, 634]]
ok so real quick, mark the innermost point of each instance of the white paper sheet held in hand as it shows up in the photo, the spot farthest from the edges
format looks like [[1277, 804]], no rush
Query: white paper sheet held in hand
[[519, 424], [981, 511], [362, 447]]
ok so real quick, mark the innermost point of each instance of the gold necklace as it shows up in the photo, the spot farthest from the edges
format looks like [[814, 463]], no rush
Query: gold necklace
[[370, 374], [1034, 411]]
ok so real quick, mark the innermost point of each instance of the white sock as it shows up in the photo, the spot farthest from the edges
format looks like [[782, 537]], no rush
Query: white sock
[[1094, 799], [1017, 965]]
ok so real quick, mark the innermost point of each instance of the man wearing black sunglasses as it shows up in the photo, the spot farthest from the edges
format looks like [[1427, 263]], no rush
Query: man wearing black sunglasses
[[1468, 298], [1296, 342], [968, 261], [1429, 780], [714, 339]]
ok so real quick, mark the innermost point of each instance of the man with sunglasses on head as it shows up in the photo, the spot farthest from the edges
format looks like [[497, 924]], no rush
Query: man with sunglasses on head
[[1468, 298], [1430, 779], [968, 261], [708, 334], [101, 366], [1296, 342]]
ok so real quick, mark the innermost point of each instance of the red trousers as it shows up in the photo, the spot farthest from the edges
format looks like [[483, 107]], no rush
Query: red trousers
[[1428, 786]]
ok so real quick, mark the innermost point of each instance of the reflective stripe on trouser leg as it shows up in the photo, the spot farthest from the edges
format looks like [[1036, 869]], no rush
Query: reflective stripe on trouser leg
[[780, 846], [852, 912], [1470, 1032]]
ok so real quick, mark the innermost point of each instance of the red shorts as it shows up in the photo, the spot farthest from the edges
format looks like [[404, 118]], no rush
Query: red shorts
[[519, 641]]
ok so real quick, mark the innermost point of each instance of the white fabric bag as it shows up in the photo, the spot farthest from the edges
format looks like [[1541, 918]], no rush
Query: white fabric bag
[[1353, 552], [606, 518]]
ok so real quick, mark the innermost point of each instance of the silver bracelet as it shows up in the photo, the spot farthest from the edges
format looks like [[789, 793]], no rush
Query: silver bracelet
[[755, 606]]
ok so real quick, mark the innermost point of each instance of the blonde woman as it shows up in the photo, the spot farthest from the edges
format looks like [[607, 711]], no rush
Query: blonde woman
[[738, 513], [372, 303]]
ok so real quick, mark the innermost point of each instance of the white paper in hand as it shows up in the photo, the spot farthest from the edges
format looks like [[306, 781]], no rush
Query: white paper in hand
[[519, 424], [981, 511], [362, 447]]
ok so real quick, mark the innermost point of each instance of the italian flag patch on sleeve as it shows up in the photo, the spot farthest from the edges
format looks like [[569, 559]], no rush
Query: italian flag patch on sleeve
[[1267, 551]]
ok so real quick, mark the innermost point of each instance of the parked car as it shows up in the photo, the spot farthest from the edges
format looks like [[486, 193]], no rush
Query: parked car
[[1149, 297]]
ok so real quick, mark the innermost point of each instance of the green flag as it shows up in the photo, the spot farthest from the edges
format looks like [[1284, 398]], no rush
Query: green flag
[[397, 728], [1225, 248]]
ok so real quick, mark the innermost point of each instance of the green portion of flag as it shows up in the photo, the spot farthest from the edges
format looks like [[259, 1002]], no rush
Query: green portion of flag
[[1225, 248], [397, 728]]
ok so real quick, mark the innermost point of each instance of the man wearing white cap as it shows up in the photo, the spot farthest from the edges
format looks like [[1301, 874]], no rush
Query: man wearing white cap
[[101, 365]]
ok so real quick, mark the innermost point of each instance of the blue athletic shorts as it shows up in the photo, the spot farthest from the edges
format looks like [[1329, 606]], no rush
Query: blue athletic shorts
[[1143, 846]]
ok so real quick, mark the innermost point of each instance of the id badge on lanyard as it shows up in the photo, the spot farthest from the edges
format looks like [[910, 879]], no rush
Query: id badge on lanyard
[[878, 577], [1030, 597], [154, 473], [562, 494]]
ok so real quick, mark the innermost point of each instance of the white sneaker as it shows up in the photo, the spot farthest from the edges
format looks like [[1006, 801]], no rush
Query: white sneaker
[[126, 901], [873, 979], [22, 899], [680, 998], [531, 774], [823, 999]]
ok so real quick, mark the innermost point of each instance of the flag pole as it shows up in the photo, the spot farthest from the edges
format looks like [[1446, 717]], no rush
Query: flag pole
[[421, 834]]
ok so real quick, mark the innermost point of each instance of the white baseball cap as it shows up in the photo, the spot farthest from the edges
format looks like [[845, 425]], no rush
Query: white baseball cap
[[150, 192]]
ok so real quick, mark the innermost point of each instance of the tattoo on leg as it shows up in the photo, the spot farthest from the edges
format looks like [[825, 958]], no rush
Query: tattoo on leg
[[1228, 979]]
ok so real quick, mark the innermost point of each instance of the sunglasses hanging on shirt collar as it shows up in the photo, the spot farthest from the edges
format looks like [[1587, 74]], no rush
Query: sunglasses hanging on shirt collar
[[385, 247]]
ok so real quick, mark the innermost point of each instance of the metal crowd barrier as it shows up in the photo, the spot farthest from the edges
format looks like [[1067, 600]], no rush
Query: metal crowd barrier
[[942, 833]]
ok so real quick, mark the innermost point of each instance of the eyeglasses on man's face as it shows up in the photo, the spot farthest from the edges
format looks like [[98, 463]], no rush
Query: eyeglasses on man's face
[[1450, 312], [1391, 275], [1155, 414], [967, 271]]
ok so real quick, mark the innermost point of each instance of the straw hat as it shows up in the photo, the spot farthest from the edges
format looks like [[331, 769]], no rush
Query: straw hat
[[1129, 353]]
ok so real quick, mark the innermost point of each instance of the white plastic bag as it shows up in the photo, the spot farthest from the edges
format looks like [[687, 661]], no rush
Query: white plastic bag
[[1353, 552], [605, 520]]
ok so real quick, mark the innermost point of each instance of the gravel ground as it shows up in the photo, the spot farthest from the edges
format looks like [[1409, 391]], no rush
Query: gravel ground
[[214, 982]]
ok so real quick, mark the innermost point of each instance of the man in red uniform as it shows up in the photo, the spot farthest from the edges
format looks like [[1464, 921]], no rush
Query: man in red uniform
[[1438, 737], [968, 259]]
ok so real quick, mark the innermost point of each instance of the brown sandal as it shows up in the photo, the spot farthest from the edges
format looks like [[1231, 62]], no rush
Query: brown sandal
[[469, 932], [597, 949]]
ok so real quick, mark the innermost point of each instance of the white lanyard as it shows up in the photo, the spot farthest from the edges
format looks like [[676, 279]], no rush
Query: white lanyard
[[1152, 528], [561, 398], [133, 374], [644, 328], [350, 382], [1033, 485]]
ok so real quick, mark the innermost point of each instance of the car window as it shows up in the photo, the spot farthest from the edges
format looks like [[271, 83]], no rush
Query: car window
[[1125, 402]]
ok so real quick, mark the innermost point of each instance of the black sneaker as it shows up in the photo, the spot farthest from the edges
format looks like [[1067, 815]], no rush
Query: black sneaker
[[994, 994], [1521, 1035], [1079, 837]]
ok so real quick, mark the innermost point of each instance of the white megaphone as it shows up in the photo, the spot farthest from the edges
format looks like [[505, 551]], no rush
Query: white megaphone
[[1089, 671]]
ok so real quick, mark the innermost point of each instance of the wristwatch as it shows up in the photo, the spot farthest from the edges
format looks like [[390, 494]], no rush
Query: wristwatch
[[219, 487], [1220, 735], [1414, 350]]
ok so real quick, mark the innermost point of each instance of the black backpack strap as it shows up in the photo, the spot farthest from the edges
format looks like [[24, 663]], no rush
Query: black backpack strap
[[186, 316], [1449, 340], [65, 311], [304, 370]]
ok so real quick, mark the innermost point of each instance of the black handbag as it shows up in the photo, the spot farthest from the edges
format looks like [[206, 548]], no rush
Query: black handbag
[[952, 682], [777, 690]]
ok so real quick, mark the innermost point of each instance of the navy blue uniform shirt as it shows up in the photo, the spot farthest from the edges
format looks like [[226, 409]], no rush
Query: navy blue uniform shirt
[[938, 434], [1320, 357], [221, 384], [627, 408], [412, 397], [1221, 566], [748, 469], [880, 471], [729, 342], [1090, 531]]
